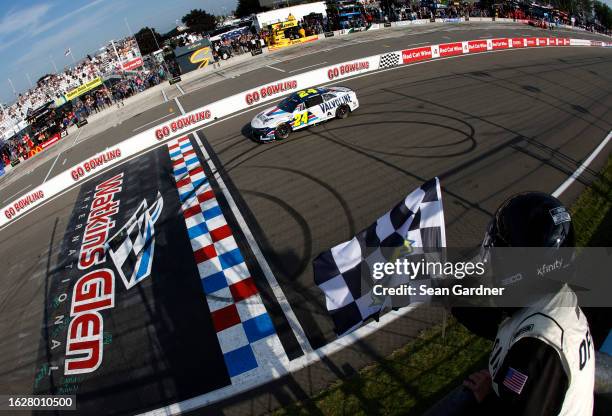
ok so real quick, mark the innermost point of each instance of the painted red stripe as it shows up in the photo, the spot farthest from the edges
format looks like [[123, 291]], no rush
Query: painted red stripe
[[177, 161], [243, 289], [225, 317], [203, 197], [183, 182], [220, 233], [173, 146], [205, 253], [188, 152], [195, 171], [191, 211]]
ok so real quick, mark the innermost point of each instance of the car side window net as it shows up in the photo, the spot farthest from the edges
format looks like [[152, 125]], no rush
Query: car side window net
[[314, 100]]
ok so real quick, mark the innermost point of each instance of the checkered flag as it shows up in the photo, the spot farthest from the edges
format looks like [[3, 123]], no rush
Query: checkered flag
[[389, 59], [132, 247], [414, 227]]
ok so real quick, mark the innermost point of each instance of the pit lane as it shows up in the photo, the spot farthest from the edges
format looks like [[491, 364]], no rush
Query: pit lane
[[489, 125]]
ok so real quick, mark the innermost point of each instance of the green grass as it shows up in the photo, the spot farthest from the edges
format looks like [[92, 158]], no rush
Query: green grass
[[592, 212], [413, 378], [406, 381]]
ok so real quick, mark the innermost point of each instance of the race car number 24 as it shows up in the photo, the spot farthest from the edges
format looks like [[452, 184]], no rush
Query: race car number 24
[[300, 119]]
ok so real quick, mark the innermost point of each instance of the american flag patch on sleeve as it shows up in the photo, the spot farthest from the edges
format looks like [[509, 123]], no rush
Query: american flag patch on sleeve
[[515, 380]]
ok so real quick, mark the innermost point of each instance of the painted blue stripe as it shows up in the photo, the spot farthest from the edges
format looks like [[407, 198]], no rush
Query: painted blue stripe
[[231, 258], [214, 282], [197, 230], [175, 153], [143, 267], [240, 360], [196, 183], [185, 146], [192, 161], [185, 196], [258, 327], [180, 171], [212, 212]]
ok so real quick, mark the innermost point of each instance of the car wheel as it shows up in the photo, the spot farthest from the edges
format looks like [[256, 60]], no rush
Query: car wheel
[[343, 111], [282, 131]]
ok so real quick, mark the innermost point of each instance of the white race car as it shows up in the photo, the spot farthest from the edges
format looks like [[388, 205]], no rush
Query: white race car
[[302, 109]]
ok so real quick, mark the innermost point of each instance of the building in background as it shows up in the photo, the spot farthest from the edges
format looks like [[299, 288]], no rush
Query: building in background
[[264, 19], [275, 4]]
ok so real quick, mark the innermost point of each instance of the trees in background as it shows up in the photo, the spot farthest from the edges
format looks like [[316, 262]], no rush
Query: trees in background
[[246, 8], [586, 10], [200, 21], [603, 13], [146, 38]]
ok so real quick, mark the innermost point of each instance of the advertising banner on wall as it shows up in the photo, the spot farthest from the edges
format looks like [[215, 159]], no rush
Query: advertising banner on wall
[[132, 64], [194, 56], [72, 94], [295, 42]]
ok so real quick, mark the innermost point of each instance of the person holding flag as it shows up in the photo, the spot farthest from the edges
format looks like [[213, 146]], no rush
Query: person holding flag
[[543, 359]]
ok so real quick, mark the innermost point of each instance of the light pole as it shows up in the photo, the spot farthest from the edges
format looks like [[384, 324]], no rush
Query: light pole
[[53, 63], [158, 48], [116, 53], [12, 86], [132, 35], [72, 56]]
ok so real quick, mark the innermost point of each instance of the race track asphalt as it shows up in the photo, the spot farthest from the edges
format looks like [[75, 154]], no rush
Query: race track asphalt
[[488, 125]]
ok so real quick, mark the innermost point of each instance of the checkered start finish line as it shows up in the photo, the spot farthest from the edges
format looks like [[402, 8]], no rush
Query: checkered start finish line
[[244, 329]]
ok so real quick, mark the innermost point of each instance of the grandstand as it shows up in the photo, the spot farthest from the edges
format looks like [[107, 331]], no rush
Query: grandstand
[[52, 87]]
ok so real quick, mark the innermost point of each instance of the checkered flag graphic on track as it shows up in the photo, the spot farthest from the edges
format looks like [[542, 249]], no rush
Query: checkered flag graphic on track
[[389, 60], [132, 247], [344, 272]]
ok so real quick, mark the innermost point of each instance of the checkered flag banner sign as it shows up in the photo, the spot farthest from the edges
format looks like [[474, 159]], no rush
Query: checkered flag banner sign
[[388, 60], [132, 247], [414, 227]]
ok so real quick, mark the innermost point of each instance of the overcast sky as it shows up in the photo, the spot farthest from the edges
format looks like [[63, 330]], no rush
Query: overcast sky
[[34, 32]]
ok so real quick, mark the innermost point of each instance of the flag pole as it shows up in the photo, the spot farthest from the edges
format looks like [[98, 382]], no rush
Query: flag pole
[[115, 49], [132, 35], [53, 63], [12, 86]]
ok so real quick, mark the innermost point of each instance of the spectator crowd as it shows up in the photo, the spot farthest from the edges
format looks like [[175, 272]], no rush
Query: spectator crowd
[[52, 87], [120, 84], [29, 130]]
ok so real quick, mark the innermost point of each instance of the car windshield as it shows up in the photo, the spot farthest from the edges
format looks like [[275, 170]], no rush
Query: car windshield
[[289, 103]]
